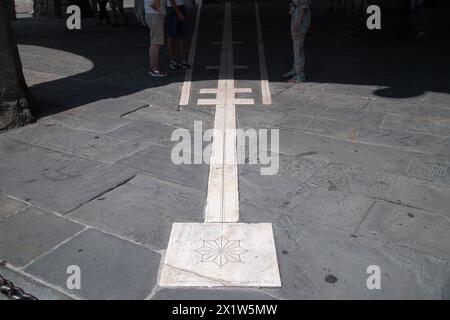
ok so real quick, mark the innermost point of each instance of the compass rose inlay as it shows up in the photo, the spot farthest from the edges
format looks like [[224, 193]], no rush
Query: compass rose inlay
[[221, 251]]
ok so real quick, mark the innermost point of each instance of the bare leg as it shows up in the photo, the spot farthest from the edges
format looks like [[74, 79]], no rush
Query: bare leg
[[171, 46], [181, 48], [154, 57], [114, 12], [299, 57]]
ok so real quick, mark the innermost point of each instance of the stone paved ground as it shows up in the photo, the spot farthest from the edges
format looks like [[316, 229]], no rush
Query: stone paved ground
[[364, 161]]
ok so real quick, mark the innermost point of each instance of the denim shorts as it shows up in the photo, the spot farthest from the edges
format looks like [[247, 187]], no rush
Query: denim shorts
[[175, 27]]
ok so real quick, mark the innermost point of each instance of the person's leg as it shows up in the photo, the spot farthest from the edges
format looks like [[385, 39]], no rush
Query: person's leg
[[119, 4], [172, 40], [299, 58], [157, 40], [181, 47], [182, 52], [113, 5], [101, 14], [154, 57], [291, 72]]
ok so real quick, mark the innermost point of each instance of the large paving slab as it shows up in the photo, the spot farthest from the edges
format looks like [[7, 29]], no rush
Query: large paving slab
[[171, 116], [88, 120], [31, 286], [430, 125], [159, 134], [318, 262], [31, 233], [269, 191], [409, 227], [337, 150], [405, 107], [157, 162], [344, 210], [69, 181], [409, 140], [81, 143], [397, 189], [143, 210], [358, 119], [111, 268]]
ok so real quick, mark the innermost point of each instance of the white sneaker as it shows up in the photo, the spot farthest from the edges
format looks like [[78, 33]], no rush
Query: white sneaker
[[157, 74]]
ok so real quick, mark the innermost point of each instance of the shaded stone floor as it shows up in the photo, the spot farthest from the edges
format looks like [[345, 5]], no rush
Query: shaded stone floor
[[364, 161]]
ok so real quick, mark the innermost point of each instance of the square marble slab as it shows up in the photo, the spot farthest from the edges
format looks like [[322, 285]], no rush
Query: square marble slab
[[221, 255]]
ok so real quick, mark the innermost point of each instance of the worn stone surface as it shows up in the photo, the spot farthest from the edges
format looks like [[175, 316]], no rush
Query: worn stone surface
[[337, 150], [69, 181], [333, 128], [310, 254], [430, 167], [144, 130], [156, 161], [269, 191], [169, 116], [143, 210], [9, 206], [388, 131], [332, 207], [87, 120], [409, 227], [25, 235], [409, 140], [85, 144], [111, 268], [428, 125], [397, 189]]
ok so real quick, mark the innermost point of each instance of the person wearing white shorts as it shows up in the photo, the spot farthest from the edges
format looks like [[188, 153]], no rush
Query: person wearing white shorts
[[155, 13]]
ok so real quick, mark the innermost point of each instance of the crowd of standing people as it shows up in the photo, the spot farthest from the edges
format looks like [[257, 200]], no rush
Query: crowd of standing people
[[172, 14], [159, 15]]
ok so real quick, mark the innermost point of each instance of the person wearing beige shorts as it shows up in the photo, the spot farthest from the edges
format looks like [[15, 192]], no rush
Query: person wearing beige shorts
[[155, 22], [155, 14]]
